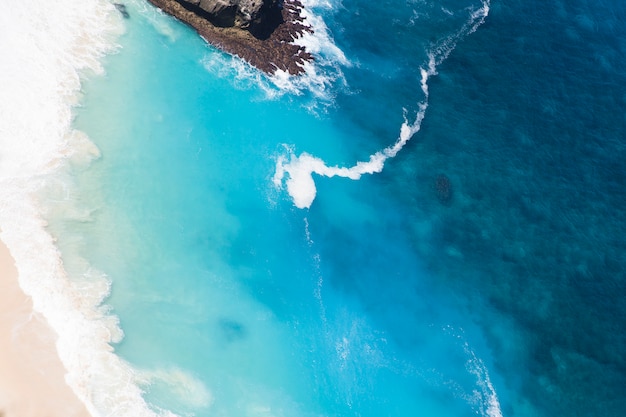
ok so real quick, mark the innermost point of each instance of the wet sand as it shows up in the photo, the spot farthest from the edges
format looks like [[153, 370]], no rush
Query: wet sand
[[32, 380]]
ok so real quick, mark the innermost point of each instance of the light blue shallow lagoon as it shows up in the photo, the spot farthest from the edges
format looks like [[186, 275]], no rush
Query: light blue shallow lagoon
[[482, 272]]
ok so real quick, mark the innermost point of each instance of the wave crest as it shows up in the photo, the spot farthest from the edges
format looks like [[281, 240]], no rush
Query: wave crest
[[46, 48]]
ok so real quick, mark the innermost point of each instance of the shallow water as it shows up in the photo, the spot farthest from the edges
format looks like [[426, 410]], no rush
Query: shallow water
[[385, 297]]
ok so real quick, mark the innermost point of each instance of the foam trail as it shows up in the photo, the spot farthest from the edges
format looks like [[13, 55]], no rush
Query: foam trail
[[317, 261], [484, 398], [300, 169], [45, 47], [487, 397]]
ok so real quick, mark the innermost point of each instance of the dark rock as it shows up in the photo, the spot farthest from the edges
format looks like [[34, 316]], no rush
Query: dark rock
[[265, 20], [222, 12], [259, 31], [122, 9], [258, 16]]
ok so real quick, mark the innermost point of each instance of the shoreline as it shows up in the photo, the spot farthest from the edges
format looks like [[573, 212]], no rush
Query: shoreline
[[32, 377], [277, 52]]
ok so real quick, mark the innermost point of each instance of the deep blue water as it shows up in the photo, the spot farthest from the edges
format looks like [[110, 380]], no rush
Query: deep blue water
[[383, 298]]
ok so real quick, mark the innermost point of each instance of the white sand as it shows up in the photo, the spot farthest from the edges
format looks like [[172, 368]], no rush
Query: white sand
[[31, 374]]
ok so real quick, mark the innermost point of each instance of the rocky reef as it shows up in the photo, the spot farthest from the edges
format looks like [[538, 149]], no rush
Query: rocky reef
[[443, 189], [259, 31]]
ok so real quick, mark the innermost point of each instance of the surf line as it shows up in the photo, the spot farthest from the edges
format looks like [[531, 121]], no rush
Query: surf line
[[300, 169]]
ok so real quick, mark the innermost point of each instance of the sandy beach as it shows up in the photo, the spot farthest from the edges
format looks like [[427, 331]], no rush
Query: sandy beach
[[31, 374]]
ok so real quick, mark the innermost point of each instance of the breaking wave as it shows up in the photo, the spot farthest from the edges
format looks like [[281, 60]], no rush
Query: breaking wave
[[46, 48], [321, 78]]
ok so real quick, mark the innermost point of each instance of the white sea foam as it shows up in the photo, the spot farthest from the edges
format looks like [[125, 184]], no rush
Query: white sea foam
[[300, 169], [45, 47], [321, 77], [486, 397], [325, 72], [187, 388]]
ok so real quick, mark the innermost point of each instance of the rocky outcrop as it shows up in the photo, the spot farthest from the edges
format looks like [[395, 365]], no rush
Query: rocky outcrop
[[259, 17], [239, 13], [259, 31]]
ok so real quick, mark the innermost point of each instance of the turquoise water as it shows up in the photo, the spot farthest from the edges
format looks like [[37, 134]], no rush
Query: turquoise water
[[380, 299]]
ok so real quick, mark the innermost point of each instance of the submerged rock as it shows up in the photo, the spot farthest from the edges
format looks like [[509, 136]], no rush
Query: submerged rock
[[121, 7], [231, 330]]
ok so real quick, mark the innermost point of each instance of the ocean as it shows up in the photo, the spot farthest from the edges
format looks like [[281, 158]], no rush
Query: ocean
[[428, 222]]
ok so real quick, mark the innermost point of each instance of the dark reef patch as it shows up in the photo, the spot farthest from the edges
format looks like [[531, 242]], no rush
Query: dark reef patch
[[443, 189], [121, 7], [232, 330]]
